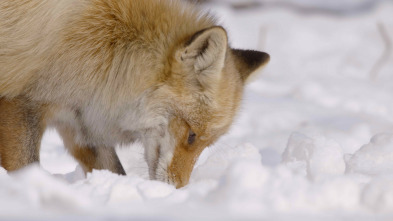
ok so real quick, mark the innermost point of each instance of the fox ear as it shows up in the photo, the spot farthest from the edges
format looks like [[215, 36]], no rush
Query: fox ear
[[205, 52], [248, 61]]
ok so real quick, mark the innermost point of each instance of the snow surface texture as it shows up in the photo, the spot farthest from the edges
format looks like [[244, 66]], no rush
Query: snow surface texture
[[314, 139]]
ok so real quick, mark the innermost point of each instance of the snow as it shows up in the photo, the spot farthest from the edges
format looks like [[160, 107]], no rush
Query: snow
[[313, 139], [320, 156], [374, 158]]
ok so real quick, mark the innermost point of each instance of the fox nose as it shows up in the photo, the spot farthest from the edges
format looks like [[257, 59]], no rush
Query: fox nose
[[178, 180], [179, 184]]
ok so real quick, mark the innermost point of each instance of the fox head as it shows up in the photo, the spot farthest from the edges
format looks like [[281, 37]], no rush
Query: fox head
[[199, 95]]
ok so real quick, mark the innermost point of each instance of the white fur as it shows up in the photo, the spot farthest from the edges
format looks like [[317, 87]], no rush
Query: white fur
[[141, 121]]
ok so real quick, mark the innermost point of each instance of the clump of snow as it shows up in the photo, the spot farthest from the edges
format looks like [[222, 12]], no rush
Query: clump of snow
[[374, 158], [320, 156]]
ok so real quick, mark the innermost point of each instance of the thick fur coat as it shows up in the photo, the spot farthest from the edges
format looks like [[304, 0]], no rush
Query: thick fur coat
[[107, 72]]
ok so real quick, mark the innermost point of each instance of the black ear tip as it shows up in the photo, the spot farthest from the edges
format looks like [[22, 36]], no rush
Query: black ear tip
[[247, 61], [252, 58], [256, 58], [265, 57]]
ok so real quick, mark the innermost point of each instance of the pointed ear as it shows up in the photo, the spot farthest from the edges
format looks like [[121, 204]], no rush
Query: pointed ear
[[205, 52], [248, 61]]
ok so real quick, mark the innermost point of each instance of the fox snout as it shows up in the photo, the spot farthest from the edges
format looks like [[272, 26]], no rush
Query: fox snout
[[172, 154]]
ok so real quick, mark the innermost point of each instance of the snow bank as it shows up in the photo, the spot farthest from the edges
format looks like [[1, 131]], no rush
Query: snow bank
[[226, 183]]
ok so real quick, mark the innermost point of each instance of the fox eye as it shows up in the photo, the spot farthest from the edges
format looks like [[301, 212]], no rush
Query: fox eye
[[191, 137]]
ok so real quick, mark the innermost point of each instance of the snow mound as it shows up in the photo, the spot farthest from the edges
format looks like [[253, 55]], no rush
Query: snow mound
[[319, 155], [374, 158]]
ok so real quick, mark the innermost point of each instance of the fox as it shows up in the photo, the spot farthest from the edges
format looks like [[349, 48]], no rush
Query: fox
[[105, 73]]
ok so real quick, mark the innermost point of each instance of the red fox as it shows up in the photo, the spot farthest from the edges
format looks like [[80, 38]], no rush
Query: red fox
[[110, 72]]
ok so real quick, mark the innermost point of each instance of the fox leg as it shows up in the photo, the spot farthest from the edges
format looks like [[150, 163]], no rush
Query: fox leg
[[90, 157], [21, 129]]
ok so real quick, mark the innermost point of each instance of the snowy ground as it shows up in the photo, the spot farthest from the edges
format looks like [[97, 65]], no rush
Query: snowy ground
[[314, 139]]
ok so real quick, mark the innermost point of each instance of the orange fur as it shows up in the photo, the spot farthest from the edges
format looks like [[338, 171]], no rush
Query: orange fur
[[21, 129]]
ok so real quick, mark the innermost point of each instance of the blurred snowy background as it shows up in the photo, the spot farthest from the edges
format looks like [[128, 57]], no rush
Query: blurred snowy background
[[314, 138]]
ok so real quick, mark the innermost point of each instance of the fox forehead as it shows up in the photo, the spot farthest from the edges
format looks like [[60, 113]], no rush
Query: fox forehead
[[207, 119], [205, 123]]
